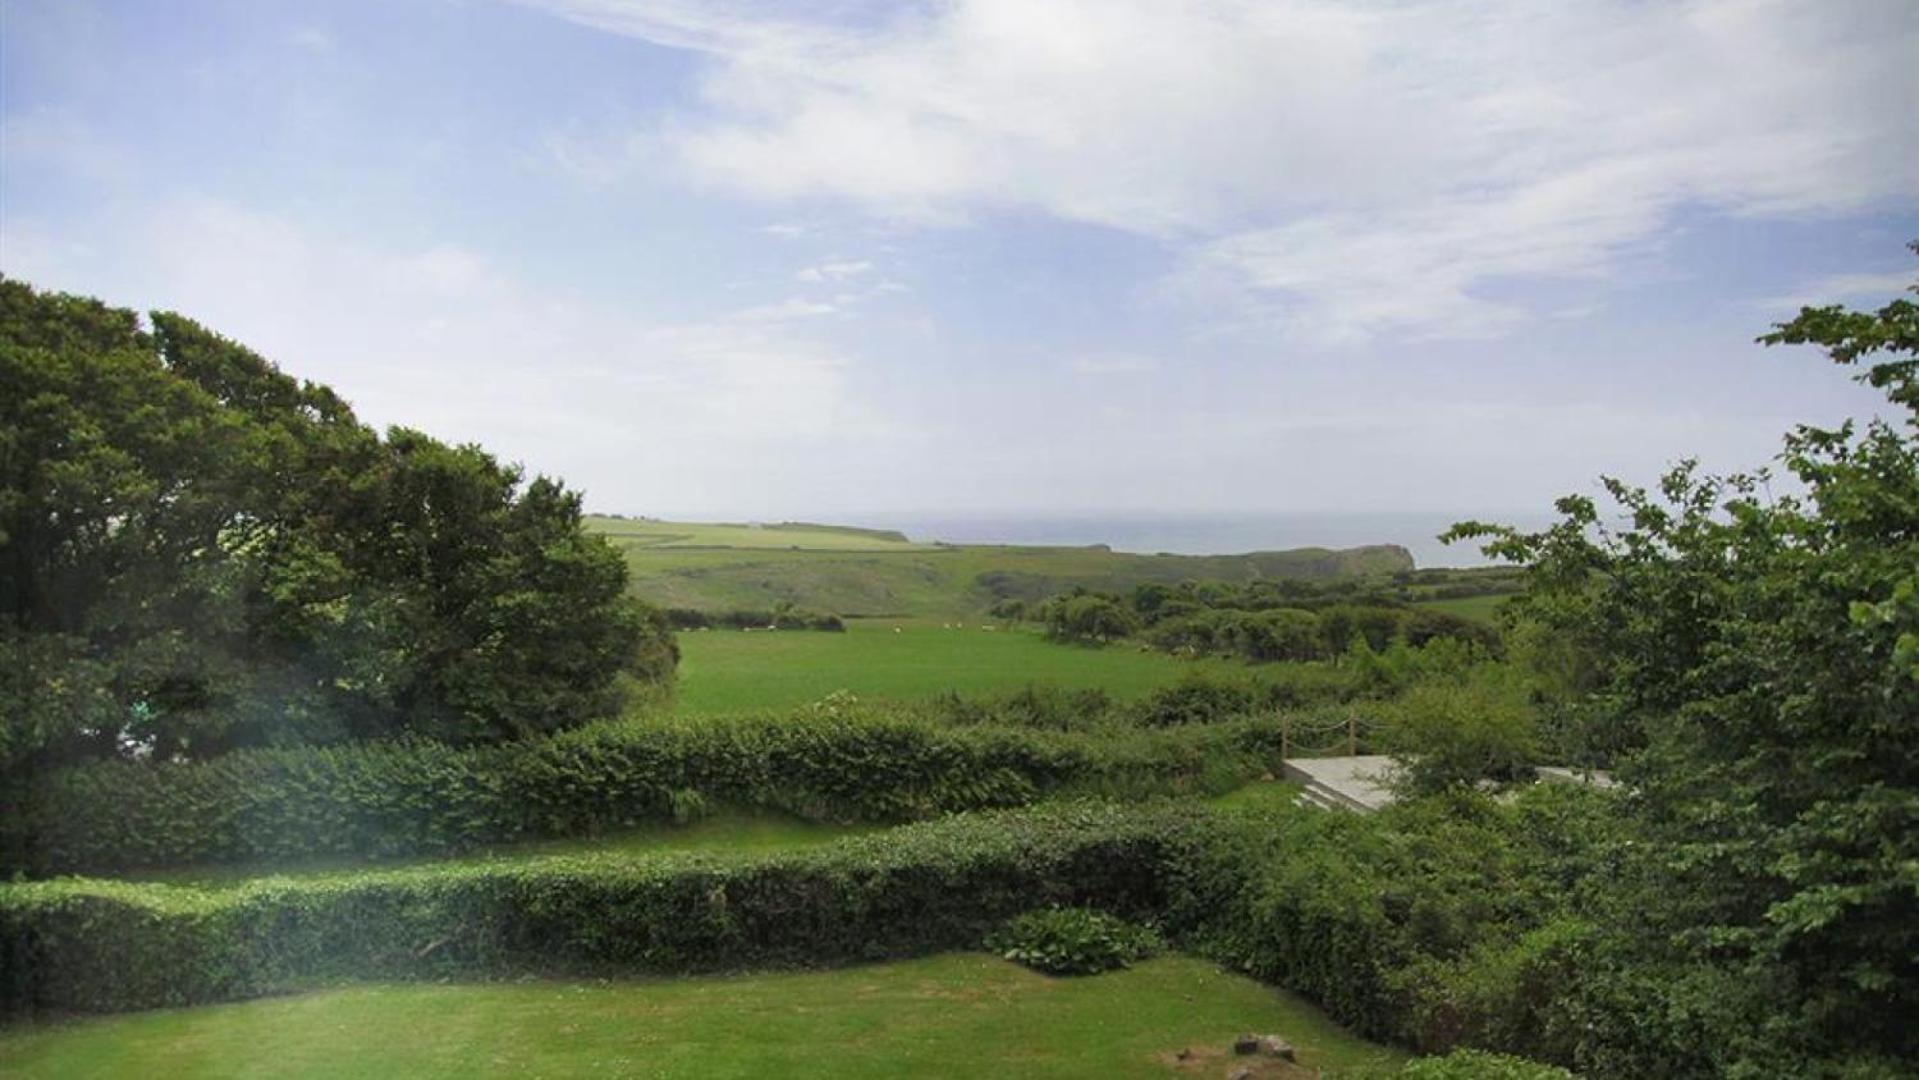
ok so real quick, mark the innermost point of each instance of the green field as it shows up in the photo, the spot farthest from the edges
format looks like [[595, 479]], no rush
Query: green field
[[725, 671], [649, 534], [1481, 608], [956, 1015], [850, 571]]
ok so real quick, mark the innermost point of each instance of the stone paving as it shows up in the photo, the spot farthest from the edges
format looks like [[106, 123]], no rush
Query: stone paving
[[1344, 783]]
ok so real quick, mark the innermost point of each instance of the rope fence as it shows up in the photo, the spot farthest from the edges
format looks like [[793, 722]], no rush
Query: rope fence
[[1301, 737]]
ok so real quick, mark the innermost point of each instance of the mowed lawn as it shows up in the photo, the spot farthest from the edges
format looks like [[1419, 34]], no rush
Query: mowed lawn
[[740, 670], [957, 1015]]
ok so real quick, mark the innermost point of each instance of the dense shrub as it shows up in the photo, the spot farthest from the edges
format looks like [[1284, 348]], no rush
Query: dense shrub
[[91, 945], [1073, 941], [1479, 726], [1391, 919], [1196, 699], [1041, 706], [843, 763], [1088, 619], [784, 618], [1480, 1065]]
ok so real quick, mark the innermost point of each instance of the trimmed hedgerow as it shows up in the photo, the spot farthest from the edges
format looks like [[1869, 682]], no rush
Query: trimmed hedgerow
[[396, 799], [92, 945]]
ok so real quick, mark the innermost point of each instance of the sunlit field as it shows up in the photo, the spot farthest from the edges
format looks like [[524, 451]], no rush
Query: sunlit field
[[957, 1015], [732, 671]]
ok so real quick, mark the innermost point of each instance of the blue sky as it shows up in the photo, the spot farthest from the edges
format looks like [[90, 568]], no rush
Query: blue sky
[[773, 260]]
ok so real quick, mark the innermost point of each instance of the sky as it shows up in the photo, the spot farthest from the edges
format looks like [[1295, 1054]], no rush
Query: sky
[[825, 260]]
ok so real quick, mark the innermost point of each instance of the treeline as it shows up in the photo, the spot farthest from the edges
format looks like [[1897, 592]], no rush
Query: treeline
[[201, 553], [1264, 621], [781, 618]]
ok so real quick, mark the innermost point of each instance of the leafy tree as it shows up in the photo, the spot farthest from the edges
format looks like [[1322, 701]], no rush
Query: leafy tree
[[200, 552], [1752, 660], [1089, 617]]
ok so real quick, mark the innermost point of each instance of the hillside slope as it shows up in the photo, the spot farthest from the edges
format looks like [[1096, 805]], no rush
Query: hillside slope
[[853, 571]]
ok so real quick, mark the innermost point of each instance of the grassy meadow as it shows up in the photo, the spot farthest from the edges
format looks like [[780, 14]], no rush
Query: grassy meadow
[[724, 671], [1480, 608], [851, 571], [953, 1015]]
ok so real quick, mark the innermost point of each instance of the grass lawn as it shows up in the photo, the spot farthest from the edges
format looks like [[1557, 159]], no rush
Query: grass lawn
[[956, 1015], [725, 671], [1482, 608], [728, 830]]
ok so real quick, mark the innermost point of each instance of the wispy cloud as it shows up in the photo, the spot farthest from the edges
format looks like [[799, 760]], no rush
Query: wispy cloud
[[839, 270], [1842, 288], [1361, 170], [793, 307], [444, 339]]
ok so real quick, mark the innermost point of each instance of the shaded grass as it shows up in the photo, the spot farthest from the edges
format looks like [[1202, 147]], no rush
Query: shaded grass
[[955, 1015], [724, 671]]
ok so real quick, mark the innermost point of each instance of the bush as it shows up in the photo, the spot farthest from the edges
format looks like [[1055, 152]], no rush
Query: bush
[[1195, 699], [783, 618], [1073, 941], [1480, 1065], [1461, 731], [846, 762], [1089, 619], [1040, 706], [90, 945]]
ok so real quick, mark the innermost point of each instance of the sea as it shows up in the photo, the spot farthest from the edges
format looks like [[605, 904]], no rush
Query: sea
[[1212, 535]]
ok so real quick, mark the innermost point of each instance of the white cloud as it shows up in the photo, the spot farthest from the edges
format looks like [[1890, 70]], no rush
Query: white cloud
[[447, 341], [1844, 288], [834, 271], [793, 307], [1355, 168]]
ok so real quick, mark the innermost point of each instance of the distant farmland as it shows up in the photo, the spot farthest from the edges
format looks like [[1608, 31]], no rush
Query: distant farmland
[[862, 572], [724, 671]]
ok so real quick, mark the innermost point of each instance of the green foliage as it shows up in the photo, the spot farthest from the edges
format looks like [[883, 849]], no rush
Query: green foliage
[[1196, 699], [1073, 941], [785, 617], [1432, 923], [203, 553], [835, 761], [1040, 706], [1747, 659], [90, 945], [1480, 1065], [1088, 618], [1478, 726]]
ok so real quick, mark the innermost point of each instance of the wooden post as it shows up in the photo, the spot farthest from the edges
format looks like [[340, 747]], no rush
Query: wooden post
[[1285, 736], [1352, 734]]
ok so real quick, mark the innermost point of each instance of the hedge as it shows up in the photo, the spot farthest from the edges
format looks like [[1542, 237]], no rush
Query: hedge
[[382, 800], [93, 945]]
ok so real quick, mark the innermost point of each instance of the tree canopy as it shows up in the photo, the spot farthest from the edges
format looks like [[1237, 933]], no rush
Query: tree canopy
[[1750, 662], [201, 552]]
